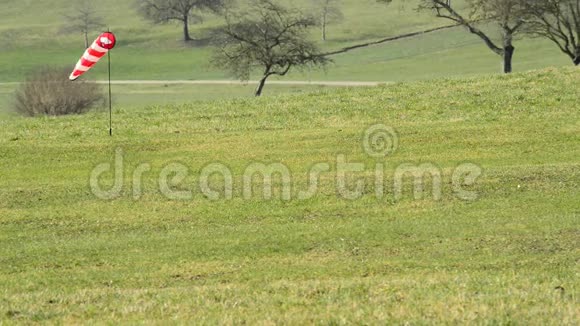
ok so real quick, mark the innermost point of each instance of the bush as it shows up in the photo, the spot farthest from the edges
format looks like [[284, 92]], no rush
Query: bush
[[48, 91]]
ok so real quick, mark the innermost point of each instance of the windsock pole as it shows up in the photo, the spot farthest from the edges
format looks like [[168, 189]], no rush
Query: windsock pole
[[110, 98]]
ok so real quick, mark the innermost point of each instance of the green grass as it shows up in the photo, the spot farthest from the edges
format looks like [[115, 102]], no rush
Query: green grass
[[30, 37], [68, 257], [135, 96], [6, 99]]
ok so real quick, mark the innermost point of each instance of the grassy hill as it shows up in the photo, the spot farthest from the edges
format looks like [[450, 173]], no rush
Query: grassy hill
[[508, 257], [30, 36]]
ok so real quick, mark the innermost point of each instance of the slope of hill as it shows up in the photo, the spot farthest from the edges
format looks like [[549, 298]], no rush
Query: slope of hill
[[508, 255], [30, 36]]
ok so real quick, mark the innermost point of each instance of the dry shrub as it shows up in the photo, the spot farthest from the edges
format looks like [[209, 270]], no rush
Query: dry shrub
[[48, 91]]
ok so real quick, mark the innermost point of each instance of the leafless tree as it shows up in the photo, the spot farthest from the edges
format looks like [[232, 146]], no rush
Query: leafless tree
[[269, 37], [509, 15], [558, 21], [184, 11], [82, 19], [329, 12], [47, 91]]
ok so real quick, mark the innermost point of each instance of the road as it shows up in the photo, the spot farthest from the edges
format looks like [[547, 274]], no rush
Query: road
[[235, 82]]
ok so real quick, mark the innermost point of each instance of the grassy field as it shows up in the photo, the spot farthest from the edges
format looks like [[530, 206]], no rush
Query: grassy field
[[137, 96], [6, 100], [508, 257], [30, 36]]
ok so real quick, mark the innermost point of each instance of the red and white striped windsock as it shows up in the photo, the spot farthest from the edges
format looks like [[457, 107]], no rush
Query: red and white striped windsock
[[94, 53]]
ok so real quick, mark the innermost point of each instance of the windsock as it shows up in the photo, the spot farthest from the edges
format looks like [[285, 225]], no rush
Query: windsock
[[103, 44]]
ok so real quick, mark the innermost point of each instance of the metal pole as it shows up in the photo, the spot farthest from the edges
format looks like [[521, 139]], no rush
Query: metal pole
[[110, 98]]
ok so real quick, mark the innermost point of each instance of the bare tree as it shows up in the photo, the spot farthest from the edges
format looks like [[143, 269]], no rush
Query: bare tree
[[269, 36], [82, 19], [184, 11], [509, 15], [329, 12], [558, 21], [47, 91]]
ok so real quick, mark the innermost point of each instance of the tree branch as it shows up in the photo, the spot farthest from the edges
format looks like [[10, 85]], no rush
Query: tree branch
[[388, 39]]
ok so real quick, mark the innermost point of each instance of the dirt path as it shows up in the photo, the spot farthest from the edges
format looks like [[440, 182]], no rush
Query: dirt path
[[235, 82]]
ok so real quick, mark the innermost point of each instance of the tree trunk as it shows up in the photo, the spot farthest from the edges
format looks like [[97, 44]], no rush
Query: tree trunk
[[261, 86], [186, 36], [508, 54], [324, 26], [86, 40], [577, 59]]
